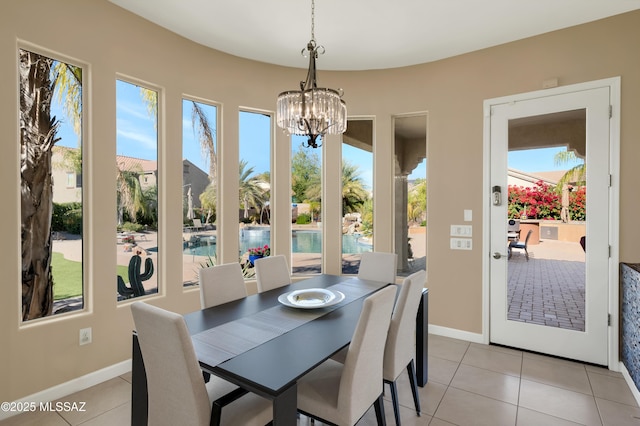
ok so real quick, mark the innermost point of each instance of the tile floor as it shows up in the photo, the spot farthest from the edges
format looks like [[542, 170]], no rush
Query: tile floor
[[469, 384]]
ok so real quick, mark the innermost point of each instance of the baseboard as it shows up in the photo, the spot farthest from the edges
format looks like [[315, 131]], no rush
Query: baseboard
[[72, 386], [630, 382], [456, 334]]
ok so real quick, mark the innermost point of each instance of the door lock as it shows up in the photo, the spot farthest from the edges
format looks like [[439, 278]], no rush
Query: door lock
[[497, 255]]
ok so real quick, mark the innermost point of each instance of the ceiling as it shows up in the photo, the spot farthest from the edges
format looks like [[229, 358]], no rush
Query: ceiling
[[366, 34]]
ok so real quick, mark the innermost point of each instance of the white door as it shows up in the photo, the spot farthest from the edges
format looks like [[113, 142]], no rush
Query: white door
[[589, 344]]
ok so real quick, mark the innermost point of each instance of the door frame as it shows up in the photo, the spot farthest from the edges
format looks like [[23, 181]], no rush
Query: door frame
[[614, 202]]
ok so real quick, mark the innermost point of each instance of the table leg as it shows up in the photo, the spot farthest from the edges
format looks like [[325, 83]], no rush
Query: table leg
[[422, 339], [139, 400], [285, 407]]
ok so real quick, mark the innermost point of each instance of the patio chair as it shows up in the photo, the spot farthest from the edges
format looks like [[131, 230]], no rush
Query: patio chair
[[513, 229], [197, 224], [520, 246]]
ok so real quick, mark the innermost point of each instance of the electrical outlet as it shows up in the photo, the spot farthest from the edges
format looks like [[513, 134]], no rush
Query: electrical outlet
[[85, 336]]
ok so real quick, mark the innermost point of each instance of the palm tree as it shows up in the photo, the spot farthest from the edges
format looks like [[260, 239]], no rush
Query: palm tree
[[354, 193], [38, 132], [576, 175], [417, 200], [130, 195], [252, 193]]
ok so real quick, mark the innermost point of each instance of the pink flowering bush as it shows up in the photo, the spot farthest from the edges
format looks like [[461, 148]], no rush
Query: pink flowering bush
[[543, 201], [260, 251]]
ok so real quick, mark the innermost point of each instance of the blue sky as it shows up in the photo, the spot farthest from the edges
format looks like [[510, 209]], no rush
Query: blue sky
[[137, 137]]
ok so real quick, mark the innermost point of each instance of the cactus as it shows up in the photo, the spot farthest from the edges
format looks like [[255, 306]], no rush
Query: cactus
[[135, 288]]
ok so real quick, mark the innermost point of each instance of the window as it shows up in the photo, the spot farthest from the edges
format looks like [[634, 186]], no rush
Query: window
[[357, 198], [306, 206], [411, 193], [199, 188], [254, 186], [52, 274], [137, 189]]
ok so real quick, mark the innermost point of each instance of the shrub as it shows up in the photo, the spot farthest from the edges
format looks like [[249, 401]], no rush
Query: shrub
[[545, 202], [303, 219], [67, 217], [131, 227]]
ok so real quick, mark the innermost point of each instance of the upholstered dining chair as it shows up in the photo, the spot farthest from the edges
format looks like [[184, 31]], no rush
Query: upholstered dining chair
[[221, 284], [342, 393], [400, 347], [177, 394], [272, 272], [378, 266]]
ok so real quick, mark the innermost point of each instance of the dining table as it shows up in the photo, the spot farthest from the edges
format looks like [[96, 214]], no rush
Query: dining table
[[263, 343]]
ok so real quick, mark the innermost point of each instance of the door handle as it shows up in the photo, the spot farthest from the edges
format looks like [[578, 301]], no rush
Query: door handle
[[497, 255]]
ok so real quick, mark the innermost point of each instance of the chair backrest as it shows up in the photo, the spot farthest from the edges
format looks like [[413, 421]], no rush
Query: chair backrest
[[197, 223], [400, 347], [378, 266], [361, 382], [513, 225], [176, 390], [221, 284], [526, 239], [272, 272]]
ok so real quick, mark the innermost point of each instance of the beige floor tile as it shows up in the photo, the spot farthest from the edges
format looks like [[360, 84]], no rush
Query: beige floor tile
[[528, 417], [446, 348], [572, 377], [612, 388], [441, 370], [497, 348], [430, 395], [98, 400], [35, 418], [497, 361], [465, 408], [487, 383], [120, 416], [408, 417], [127, 377], [616, 414], [440, 422], [602, 370], [565, 404]]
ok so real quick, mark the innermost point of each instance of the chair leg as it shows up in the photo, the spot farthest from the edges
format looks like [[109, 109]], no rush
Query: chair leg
[[411, 370], [526, 254], [379, 407], [394, 400]]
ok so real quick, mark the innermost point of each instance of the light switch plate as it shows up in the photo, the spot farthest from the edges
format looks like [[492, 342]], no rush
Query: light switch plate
[[461, 230], [461, 244]]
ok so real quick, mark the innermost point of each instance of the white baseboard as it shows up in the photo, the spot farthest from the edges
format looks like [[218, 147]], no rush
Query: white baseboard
[[630, 383], [72, 386], [456, 334]]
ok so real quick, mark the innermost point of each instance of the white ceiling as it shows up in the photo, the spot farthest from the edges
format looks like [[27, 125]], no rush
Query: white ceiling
[[366, 34]]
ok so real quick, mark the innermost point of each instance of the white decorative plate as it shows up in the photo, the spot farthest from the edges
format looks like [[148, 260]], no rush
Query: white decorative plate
[[311, 298]]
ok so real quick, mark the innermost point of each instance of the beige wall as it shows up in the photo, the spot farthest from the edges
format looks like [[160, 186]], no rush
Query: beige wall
[[110, 41]]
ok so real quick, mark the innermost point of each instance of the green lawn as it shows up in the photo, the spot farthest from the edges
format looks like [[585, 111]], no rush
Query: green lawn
[[67, 277]]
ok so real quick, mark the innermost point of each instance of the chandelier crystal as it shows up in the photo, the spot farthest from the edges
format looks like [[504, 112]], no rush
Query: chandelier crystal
[[312, 111]]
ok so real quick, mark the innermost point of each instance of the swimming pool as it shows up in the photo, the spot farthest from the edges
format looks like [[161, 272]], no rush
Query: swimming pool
[[302, 242]]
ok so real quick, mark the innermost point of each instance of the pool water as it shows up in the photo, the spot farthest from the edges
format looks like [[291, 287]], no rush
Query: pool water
[[302, 242]]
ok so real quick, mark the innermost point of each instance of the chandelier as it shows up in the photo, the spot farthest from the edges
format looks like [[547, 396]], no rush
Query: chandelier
[[312, 111]]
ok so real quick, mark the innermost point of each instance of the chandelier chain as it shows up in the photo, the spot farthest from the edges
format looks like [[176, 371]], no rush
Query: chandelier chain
[[313, 20]]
